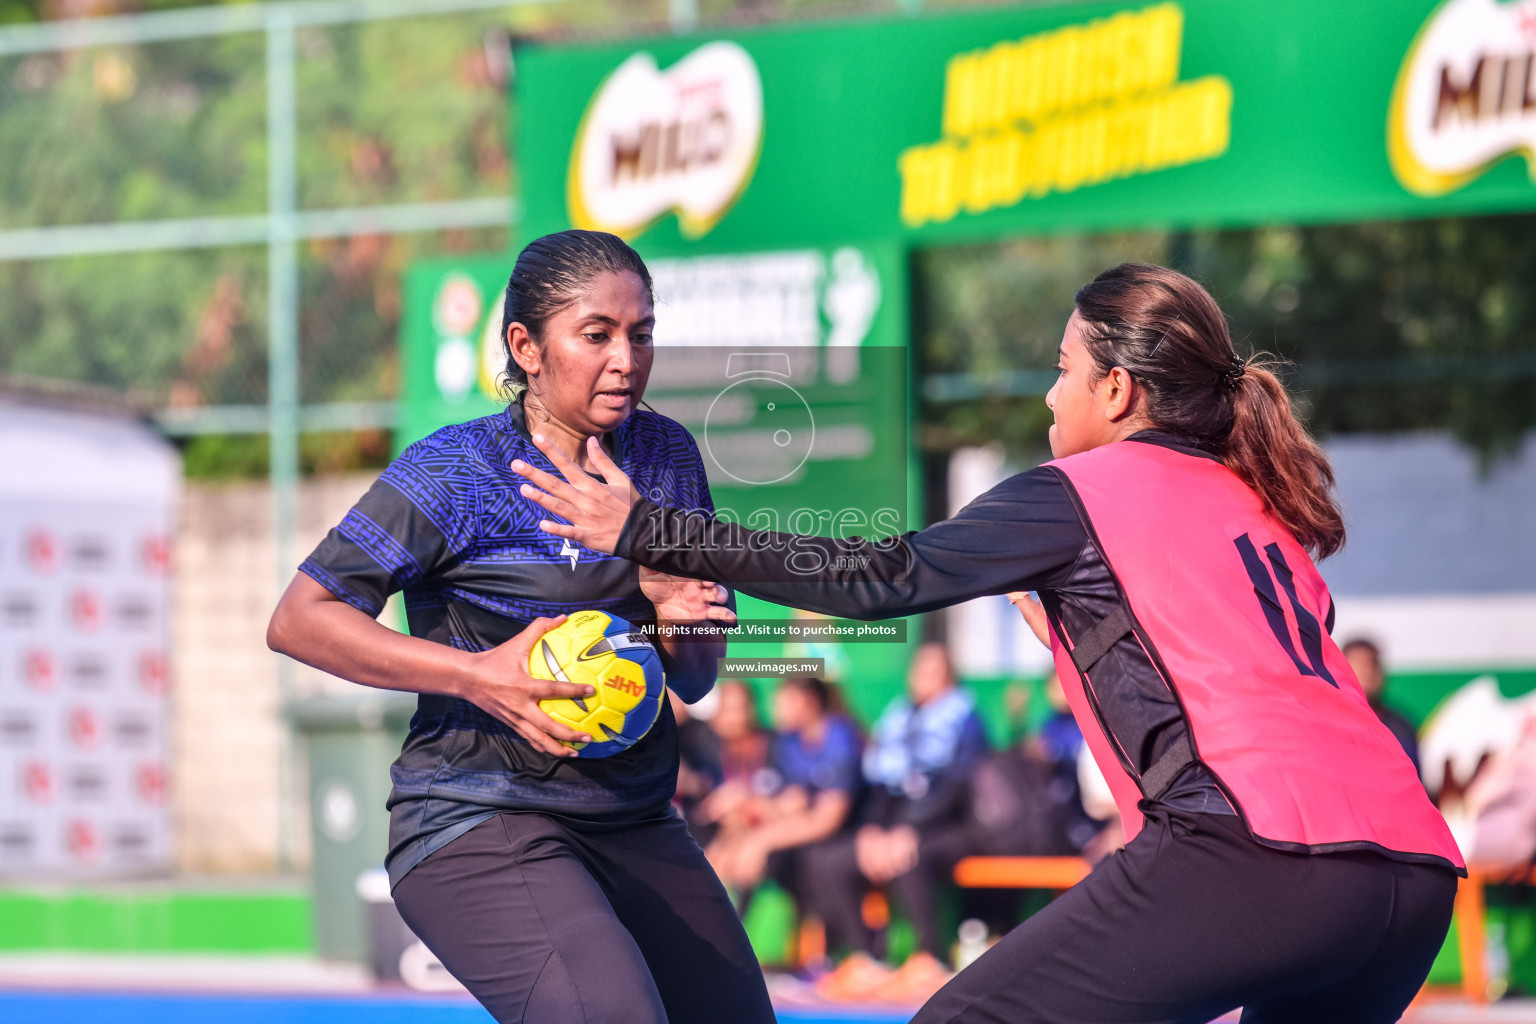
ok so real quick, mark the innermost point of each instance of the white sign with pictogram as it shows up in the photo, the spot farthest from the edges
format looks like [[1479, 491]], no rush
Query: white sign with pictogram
[[86, 509]]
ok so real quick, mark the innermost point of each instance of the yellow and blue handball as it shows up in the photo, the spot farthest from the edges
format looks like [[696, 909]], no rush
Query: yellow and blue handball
[[618, 661]]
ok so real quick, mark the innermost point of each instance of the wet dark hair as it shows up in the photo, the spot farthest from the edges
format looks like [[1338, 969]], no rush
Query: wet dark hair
[[1171, 337], [551, 273]]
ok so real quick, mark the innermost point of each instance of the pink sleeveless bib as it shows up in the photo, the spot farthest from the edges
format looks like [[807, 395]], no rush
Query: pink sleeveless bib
[[1235, 617]]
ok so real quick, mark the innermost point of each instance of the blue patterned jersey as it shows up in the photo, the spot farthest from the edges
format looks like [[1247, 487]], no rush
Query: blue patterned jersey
[[446, 525]]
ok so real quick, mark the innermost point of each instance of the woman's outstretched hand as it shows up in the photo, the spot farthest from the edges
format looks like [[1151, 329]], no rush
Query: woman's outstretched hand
[[682, 600], [1033, 614], [596, 510]]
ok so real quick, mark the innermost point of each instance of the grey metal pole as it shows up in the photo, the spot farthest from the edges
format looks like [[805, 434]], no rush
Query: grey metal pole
[[683, 15], [282, 357]]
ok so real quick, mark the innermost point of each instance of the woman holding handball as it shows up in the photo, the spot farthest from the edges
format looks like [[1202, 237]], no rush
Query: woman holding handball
[[1282, 855], [558, 890]]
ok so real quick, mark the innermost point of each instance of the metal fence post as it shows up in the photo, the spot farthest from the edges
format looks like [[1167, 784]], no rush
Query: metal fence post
[[282, 357], [683, 15]]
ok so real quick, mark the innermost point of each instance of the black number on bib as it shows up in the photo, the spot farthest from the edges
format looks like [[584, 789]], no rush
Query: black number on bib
[[1269, 602]]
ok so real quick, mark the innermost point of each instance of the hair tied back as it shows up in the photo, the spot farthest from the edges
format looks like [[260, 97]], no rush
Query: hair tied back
[[1233, 373]]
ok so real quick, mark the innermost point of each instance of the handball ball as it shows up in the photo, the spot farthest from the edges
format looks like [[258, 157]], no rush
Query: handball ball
[[615, 659]]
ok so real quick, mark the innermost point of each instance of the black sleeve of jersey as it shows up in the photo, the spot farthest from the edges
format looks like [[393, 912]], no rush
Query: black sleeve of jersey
[[388, 542], [1023, 534]]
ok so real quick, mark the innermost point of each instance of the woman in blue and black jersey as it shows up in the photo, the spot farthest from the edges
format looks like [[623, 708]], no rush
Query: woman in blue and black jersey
[[555, 889]]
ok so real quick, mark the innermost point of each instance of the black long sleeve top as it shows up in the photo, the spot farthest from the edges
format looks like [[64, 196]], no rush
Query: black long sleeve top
[[1023, 534]]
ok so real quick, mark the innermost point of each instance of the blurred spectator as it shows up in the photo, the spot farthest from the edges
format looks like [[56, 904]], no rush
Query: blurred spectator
[[1365, 658], [1026, 801], [1094, 793], [743, 740], [740, 755], [802, 796], [699, 770], [1098, 804], [1502, 804], [913, 830]]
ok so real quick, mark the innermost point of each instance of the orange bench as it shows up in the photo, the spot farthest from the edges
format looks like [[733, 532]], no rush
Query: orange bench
[[1058, 873], [1471, 916], [1062, 873], [1020, 872]]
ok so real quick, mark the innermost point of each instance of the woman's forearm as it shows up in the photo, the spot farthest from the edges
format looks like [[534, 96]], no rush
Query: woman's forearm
[[691, 663], [312, 626], [1024, 534], [856, 578]]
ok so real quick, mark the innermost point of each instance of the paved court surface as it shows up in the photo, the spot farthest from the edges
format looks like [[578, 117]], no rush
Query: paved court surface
[[85, 989]]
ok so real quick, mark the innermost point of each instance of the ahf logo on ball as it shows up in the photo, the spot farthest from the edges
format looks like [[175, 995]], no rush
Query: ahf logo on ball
[[685, 139], [1465, 96]]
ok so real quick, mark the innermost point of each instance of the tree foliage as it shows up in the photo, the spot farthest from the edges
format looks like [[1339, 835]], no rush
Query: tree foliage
[[1410, 325]]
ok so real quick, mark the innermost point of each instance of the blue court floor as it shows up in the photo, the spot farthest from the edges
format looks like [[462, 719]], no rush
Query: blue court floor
[[46, 1007], [160, 1008]]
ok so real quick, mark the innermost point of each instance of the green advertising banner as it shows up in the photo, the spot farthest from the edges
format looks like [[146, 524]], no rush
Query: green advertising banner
[[1084, 117]]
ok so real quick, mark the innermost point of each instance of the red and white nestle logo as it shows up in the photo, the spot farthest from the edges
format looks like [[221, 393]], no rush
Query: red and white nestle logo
[[84, 728], [154, 677], [42, 551], [82, 840], [155, 553], [37, 781], [150, 782], [41, 670], [86, 610]]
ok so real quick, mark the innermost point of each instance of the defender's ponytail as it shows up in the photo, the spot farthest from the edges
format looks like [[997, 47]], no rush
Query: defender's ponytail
[[1275, 455], [1171, 337]]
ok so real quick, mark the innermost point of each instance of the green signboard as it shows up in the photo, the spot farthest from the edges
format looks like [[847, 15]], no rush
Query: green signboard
[[1040, 118]]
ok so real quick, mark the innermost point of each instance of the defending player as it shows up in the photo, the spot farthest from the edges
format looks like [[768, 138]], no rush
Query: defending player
[[1284, 857], [556, 890]]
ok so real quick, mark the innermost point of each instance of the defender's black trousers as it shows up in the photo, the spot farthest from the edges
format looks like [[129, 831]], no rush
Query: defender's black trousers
[[1193, 919], [551, 925]]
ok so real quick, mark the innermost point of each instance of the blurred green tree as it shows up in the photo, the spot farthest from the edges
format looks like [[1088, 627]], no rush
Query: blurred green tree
[[1411, 325]]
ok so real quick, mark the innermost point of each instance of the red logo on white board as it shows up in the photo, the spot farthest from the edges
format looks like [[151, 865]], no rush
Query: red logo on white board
[[41, 670], [154, 676], [42, 551], [82, 840], [86, 610], [155, 552], [37, 781], [84, 728], [150, 782]]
